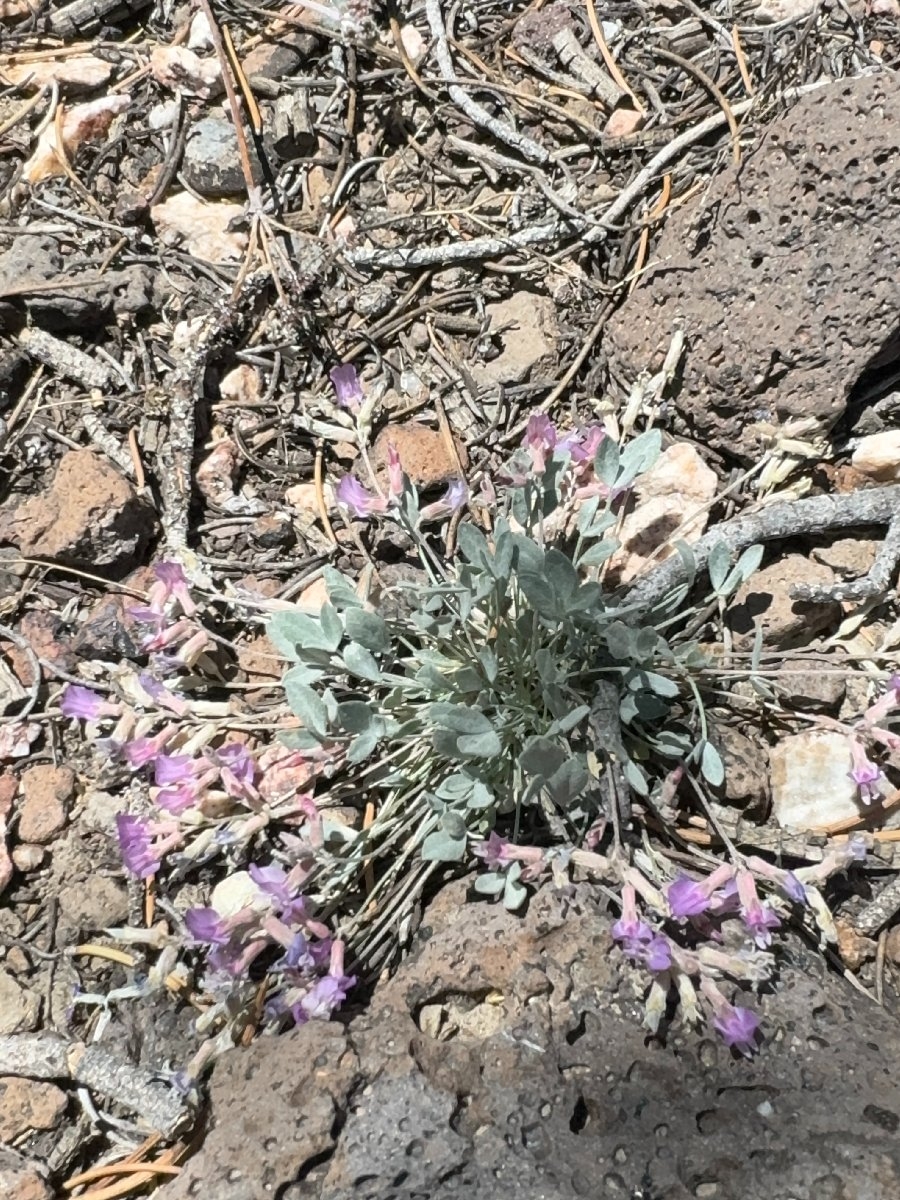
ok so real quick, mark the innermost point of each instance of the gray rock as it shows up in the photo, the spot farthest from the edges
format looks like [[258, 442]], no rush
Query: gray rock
[[786, 281], [211, 164], [560, 1094]]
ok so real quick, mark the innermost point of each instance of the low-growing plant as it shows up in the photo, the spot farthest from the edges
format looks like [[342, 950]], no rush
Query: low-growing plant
[[508, 710]]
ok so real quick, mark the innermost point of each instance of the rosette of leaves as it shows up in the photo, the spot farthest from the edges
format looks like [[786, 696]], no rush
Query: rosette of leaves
[[471, 704]]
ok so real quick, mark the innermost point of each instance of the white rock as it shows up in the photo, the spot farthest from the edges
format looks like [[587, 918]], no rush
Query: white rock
[[678, 488], [878, 455], [236, 891], [811, 784]]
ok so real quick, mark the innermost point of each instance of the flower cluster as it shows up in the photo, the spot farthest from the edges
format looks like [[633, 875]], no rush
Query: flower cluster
[[213, 796], [866, 774], [677, 933], [306, 978], [361, 501]]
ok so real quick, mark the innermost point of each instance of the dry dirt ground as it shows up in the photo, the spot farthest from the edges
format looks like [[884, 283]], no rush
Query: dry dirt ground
[[635, 212]]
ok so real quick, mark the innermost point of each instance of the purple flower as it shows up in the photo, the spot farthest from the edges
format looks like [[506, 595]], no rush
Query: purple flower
[[177, 799], [793, 888], [298, 956], [135, 845], [657, 953], [351, 494], [205, 925], [78, 701], [758, 917], [237, 767], [326, 994], [738, 1027], [866, 774], [142, 750], [494, 852], [174, 768], [347, 387], [539, 439], [687, 898], [451, 501], [273, 881], [159, 693], [172, 584], [583, 444]]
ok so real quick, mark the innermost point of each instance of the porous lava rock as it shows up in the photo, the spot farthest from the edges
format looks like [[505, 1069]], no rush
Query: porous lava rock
[[506, 1061], [785, 279]]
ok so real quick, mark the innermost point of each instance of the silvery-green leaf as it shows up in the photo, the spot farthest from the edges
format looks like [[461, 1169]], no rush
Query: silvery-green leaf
[[454, 824], [567, 782], [491, 883], [586, 514], [672, 743], [488, 660], [711, 765], [571, 719], [302, 674], [718, 565], [307, 705], [341, 591], [514, 892], [355, 716], [638, 456], [361, 662], [455, 787], [597, 554], [529, 555], [635, 777], [504, 553], [290, 630], [467, 680], [332, 625], [473, 545], [646, 643], [367, 628], [606, 461], [561, 573], [299, 739], [620, 640], [481, 797], [653, 682], [479, 745], [541, 757], [459, 718], [441, 847], [364, 745], [745, 566], [539, 594], [547, 666]]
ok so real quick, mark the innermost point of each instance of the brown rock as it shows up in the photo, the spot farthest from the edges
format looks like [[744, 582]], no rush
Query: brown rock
[[763, 275], [853, 947], [746, 766], [424, 454], [816, 687], [526, 329], [28, 1104], [46, 795], [892, 945], [89, 516], [271, 1123], [21, 1179], [19, 1008], [765, 600]]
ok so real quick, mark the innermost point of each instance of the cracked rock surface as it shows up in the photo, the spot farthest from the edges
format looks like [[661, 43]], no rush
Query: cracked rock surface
[[785, 280], [506, 1060]]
